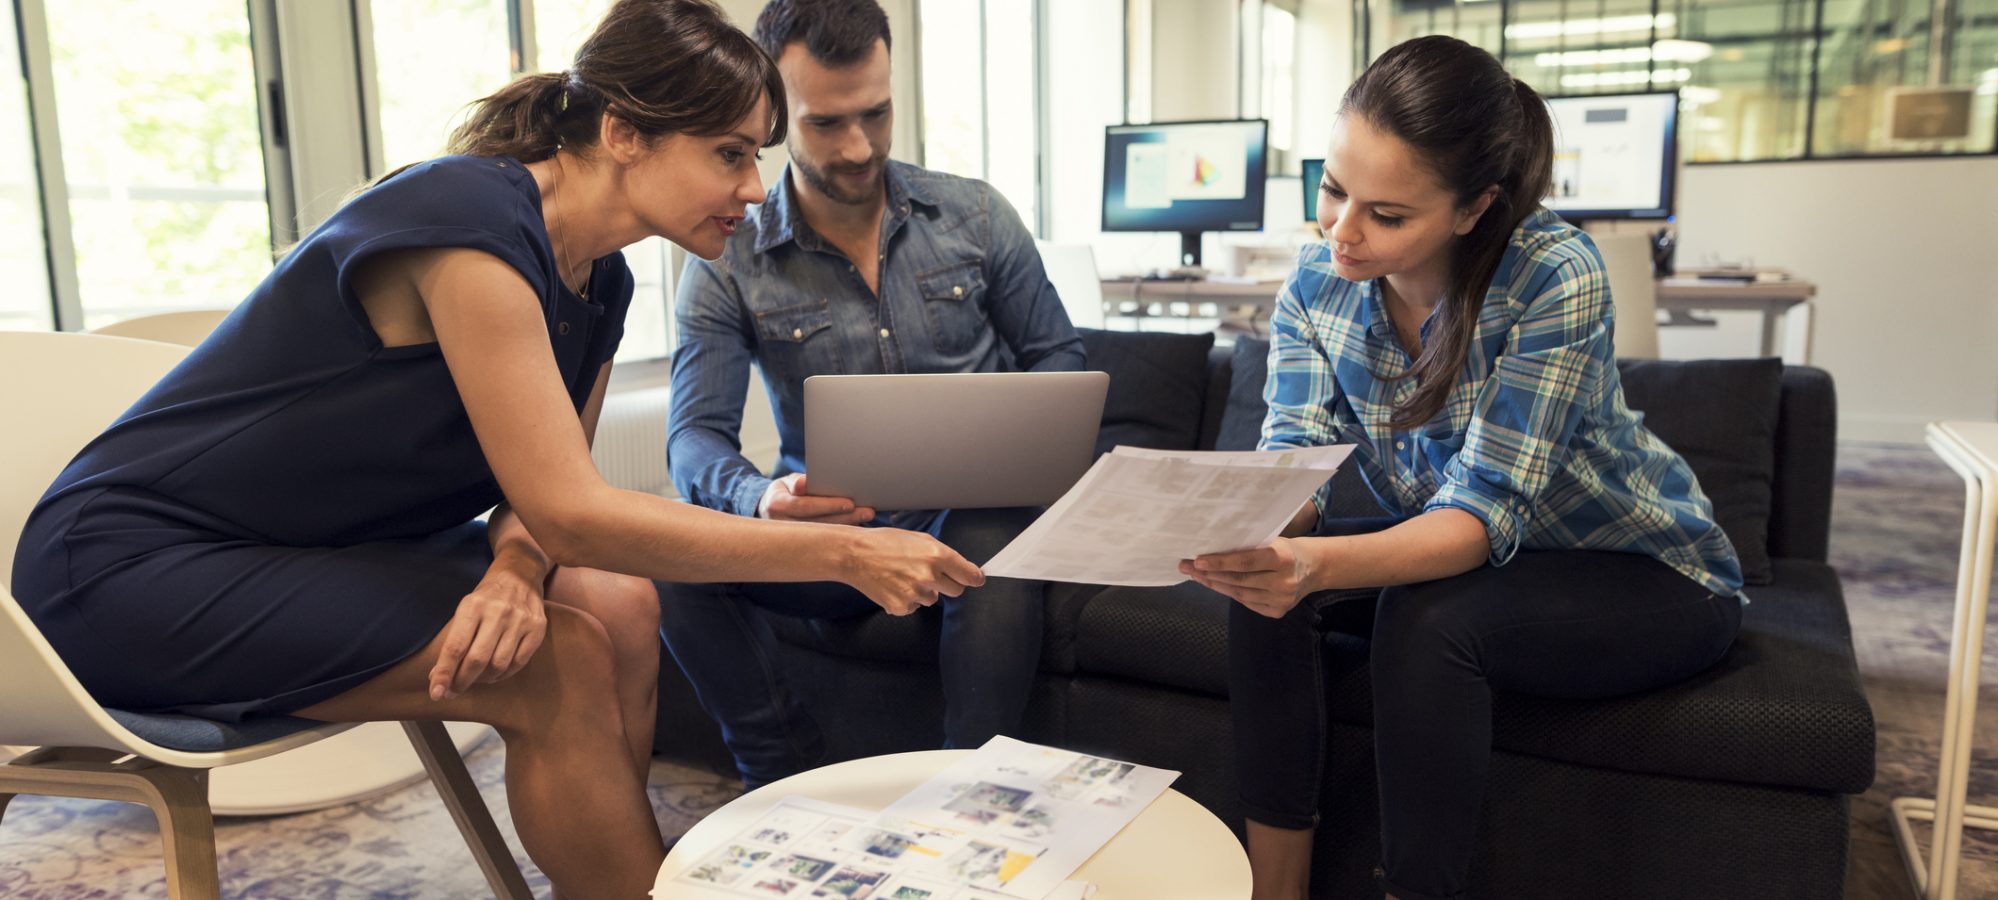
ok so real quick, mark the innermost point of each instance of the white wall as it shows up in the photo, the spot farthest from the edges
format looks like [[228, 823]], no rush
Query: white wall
[[1903, 255]]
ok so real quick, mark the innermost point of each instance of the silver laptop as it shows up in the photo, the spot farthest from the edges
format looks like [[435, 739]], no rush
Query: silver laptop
[[964, 441]]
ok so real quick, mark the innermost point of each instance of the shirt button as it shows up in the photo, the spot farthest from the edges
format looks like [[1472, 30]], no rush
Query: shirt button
[[1398, 445], [849, 268], [957, 291], [797, 333], [884, 332], [561, 328]]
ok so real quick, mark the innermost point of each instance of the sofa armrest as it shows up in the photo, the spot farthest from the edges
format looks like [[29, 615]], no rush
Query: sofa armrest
[[1806, 456]]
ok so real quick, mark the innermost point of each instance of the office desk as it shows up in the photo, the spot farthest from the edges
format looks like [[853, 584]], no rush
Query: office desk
[[1679, 297], [1229, 300]]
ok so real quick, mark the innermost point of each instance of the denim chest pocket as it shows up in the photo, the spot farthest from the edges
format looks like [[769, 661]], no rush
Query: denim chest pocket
[[954, 304], [798, 341]]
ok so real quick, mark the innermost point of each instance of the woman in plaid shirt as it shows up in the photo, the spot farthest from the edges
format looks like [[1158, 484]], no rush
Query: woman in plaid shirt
[[1540, 539]]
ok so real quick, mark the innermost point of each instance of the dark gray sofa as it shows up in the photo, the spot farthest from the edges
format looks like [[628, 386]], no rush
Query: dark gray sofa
[[1734, 784]]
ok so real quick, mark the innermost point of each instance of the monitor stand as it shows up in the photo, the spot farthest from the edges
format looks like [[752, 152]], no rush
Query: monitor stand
[[1189, 249]]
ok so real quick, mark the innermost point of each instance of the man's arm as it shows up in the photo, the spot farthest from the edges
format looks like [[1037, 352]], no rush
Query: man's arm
[[1024, 308], [710, 380]]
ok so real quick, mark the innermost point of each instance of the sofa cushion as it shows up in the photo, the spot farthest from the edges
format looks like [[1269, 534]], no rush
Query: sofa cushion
[[1157, 388], [1720, 414], [1784, 707], [1174, 635], [1242, 421]]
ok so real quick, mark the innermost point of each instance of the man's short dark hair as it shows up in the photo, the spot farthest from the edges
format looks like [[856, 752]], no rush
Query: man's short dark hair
[[835, 32]]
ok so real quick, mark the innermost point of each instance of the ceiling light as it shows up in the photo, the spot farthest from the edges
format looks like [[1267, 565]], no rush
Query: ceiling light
[[1606, 25]]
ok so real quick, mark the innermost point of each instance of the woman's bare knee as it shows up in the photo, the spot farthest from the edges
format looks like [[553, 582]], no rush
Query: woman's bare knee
[[628, 608], [576, 662]]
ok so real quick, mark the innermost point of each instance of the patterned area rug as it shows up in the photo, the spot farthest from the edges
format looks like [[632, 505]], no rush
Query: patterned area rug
[[398, 847], [1896, 527]]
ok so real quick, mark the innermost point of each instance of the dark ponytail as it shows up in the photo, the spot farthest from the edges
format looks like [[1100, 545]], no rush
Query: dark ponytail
[[1475, 127], [663, 66]]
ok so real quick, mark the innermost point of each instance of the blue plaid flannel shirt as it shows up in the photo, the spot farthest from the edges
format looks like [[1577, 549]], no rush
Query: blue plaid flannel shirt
[[1535, 440]]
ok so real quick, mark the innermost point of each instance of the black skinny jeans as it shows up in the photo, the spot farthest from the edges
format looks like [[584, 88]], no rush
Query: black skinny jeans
[[1567, 623]]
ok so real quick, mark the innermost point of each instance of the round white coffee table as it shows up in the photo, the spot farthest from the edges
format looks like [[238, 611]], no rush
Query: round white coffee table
[[1175, 848]]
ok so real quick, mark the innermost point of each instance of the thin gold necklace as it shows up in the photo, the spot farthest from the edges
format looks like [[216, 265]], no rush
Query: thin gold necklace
[[554, 186]]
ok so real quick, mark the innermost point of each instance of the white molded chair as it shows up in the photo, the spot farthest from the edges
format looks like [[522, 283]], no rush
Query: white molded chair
[[361, 763], [61, 391], [1071, 269], [1633, 291], [186, 328]]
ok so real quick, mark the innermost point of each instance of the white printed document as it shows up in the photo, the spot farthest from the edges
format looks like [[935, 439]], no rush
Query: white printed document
[[1136, 513], [804, 849], [1016, 819]]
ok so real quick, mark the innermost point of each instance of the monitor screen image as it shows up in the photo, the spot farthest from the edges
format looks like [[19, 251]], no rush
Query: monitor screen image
[[1614, 155], [1314, 175], [1187, 177]]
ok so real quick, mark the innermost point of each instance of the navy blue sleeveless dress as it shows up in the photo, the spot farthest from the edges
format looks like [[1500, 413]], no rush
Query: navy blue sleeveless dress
[[293, 509]]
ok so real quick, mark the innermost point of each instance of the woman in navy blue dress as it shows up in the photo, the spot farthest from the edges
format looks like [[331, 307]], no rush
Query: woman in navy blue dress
[[286, 524]]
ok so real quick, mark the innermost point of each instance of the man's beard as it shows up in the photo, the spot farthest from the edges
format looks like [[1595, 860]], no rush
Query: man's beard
[[816, 177]]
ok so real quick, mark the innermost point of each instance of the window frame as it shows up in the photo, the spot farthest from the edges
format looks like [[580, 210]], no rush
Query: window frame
[[1363, 19]]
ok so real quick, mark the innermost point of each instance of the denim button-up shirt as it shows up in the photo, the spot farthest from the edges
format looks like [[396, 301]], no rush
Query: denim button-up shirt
[[961, 290]]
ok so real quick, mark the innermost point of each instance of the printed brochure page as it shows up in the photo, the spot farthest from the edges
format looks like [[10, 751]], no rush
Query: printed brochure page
[[803, 849], [1136, 513]]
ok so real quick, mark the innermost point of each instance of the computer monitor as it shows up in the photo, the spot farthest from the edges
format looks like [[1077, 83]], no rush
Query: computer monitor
[[1314, 175], [1189, 177], [1614, 155]]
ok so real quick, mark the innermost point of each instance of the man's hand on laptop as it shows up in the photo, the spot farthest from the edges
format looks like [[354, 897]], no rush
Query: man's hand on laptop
[[785, 499], [902, 570]]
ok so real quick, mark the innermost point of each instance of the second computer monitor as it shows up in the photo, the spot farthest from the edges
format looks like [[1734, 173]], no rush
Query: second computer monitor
[[1314, 175], [1188, 177], [1614, 155]]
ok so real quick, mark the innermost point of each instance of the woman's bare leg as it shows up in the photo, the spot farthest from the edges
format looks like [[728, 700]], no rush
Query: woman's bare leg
[[1279, 861], [581, 814], [628, 607]]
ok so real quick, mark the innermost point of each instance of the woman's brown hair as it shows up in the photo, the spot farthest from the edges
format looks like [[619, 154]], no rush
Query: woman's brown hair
[[1474, 126], [663, 66]]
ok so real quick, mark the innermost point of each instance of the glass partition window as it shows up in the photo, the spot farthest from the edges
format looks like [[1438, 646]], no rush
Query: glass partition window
[[23, 254], [1885, 88], [1477, 22], [1748, 98], [161, 152], [1745, 70], [1610, 47]]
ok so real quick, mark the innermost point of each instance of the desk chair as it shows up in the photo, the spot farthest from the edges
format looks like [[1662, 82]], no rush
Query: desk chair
[[186, 328], [361, 763], [1634, 291], [1072, 269], [64, 389]]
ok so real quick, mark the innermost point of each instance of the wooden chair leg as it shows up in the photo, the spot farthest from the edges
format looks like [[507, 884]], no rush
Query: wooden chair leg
[[178, 798], [187, 828], [454, 786]]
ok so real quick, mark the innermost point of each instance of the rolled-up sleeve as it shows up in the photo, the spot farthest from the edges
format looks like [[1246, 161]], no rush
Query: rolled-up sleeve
[[710, 382], [1302, 393], [1525, 417], [1025, 309]]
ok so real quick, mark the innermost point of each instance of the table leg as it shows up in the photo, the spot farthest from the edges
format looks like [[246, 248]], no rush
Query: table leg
[[1935, 878], [1769, 319]]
